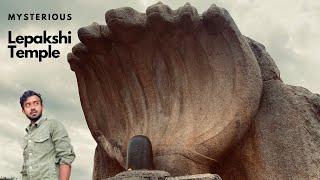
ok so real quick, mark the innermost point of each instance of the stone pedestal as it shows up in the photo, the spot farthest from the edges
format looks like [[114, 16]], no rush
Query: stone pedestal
[[159, 175]]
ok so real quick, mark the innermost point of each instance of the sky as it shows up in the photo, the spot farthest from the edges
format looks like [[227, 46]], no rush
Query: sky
[[289, 30]]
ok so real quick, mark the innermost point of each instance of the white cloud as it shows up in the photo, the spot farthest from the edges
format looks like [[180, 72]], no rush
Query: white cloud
[[289, 30], [58, 86]]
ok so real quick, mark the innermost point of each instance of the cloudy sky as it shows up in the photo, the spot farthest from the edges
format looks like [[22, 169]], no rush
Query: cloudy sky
[[289, 30]]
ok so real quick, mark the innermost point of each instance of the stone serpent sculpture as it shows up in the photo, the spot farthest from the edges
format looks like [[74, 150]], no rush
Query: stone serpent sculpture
[[190, 82]]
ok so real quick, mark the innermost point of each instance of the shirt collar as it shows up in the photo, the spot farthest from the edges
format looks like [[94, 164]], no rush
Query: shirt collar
[[36, 124]]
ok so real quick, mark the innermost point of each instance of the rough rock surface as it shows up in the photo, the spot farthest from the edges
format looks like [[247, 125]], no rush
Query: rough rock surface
[[284, 140], [197, 177], [210, 99], [159, 175], [141, 175]]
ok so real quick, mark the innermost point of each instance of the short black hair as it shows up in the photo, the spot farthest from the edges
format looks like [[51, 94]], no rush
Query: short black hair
[[27, 94]]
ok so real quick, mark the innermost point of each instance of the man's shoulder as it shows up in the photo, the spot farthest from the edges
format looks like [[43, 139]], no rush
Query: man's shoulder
[[54, 125], [53, 122]]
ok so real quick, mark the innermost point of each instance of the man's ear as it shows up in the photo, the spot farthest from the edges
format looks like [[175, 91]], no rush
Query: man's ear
[[23, 111]]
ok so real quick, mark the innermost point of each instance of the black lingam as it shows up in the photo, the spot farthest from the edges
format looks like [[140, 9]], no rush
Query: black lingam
[[139, 154]]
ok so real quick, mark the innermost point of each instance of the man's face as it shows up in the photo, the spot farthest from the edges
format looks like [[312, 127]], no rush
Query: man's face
[[32, 108]]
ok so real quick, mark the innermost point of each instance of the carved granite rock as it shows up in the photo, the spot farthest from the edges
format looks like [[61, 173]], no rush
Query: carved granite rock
[[284, 139], [210, 99], [159, 175]]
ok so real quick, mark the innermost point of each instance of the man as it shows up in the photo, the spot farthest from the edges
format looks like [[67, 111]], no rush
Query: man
[[47, 151]]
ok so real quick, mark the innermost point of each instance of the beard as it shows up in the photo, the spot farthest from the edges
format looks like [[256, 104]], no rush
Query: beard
[[34, 118]]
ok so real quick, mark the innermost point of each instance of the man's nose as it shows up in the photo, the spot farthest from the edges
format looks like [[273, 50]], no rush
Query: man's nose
[[32, 106]]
